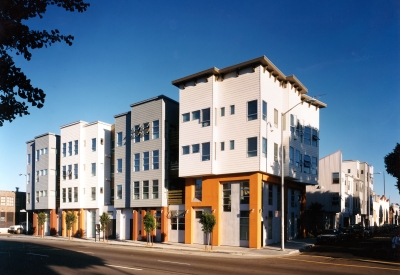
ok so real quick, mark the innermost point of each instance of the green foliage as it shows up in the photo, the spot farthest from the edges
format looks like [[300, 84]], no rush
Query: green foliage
[[15, 87], [149, 222], [41, 218], [208, 222], [70, 219], [392, 164], [104, 220]]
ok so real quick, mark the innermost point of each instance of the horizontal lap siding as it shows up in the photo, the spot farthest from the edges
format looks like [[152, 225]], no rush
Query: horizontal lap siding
[[237, 91], [30, 149], [147, 112], [194, 98], [120, 153]]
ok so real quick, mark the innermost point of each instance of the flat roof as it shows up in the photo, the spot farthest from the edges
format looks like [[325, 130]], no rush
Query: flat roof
[[153, 99], [123, 114]]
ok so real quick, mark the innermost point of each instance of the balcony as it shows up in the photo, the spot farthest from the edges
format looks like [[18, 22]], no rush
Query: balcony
[[176, 197]]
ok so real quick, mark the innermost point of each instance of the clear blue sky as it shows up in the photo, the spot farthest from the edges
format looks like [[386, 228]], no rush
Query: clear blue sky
[[127, 51]]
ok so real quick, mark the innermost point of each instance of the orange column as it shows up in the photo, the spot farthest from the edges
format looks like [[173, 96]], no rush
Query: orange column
[[164, 224], [135, 228], [63, 225], [153, 234], [189, 195], [53, 222], [35, 224], [255, 207], [81, 227], [75, 225], [143, 231]]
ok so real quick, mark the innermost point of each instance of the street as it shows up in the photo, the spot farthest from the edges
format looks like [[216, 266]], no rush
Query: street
[[41, 256]]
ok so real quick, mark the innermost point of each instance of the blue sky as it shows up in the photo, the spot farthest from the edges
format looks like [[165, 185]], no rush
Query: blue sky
[[127, 51]]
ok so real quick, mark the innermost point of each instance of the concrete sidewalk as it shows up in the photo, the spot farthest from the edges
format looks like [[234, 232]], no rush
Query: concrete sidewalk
[[291, 247]]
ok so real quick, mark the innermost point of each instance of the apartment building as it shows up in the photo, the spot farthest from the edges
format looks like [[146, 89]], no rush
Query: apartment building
[[145, 168], [381, 208], [343, 191], [85, 176], [42, 182], [230, 139]]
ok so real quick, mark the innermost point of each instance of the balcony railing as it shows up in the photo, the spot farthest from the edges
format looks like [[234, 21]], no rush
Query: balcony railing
[[176, 197]]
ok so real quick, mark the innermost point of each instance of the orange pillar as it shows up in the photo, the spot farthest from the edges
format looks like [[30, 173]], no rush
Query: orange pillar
[[143, 231], [153, 234], [75, 225], [189, 195], [81, 226], [164, 224], [135, 228], [63, 225], [255, 207], [35, 224], [53, 222]]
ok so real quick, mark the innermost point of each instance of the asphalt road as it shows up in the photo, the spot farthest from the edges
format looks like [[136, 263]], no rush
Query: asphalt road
[[40, 256]]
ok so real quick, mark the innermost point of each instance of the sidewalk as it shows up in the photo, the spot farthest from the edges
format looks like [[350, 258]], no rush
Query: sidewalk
[[291, 247]]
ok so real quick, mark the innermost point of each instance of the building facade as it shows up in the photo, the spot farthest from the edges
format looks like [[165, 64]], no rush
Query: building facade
[[230, 139]]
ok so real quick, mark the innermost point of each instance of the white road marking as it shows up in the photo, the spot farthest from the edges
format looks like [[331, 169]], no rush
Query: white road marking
[[173, 262], [122, 267], [85, 252], [38, 254]]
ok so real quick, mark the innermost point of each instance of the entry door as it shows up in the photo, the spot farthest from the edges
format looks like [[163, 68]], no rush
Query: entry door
[[199, 236]]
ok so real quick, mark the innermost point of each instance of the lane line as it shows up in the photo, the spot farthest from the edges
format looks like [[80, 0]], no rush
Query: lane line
[[85, 252], [350, 265], [37, 254], [173, 262], [354, 259], [125, 267]]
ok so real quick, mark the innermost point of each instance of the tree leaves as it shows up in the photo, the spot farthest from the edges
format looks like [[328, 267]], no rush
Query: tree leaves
[[392, 164], [15, 37]]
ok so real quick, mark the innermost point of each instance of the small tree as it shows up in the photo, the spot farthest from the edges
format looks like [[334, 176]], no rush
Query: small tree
[[149, 223], [208, 222], [70, 219], [392, 164], [104, 220], [41, 220]]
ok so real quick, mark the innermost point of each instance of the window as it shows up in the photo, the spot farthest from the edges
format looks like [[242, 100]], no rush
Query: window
[[155, 189], [119, 165], [185, 117], [226, 197], [315, 138], [119, 192], [185, 150], [37, 196], [270, 194], [264, 147], [145, 189], [222, 111], [146, 131], [146, 161], [76, 147], [28, 198], [136, 189], [307, 164], [244, 225], [119, 139], [69, 194], [307, 135], [93, 169], [314, 166], [195, 148], [198, 193], [70, 172], [264, 110], [136, 162], [252, 147], [93, 195], [292, 204], [178, 220], [28, 159], [64, 149], [275, 152], [37, 176], [335, 177], [222, 146], [252, 110], [3, 201], [156, 129], [292, 123], [299, 130], [28, 178], [75, 194], [75, 171], [64, 172], [37, 155], [244, 192], [232, 144], [93, 144], [196, 115], [232, 109], [155, 159], [348, 170], [276, 118], [291, 155], [137, 133], [335, 198], [70, 148], [205, 115], [205, 151]]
